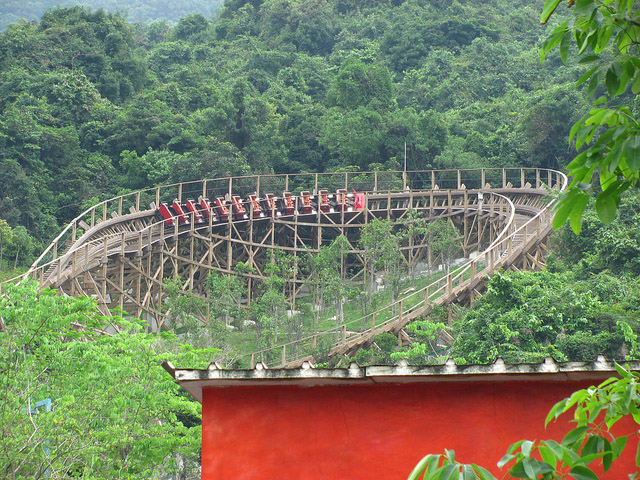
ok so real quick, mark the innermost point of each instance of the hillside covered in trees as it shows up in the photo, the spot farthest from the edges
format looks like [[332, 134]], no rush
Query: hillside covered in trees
[[92, 105], [13, 11]]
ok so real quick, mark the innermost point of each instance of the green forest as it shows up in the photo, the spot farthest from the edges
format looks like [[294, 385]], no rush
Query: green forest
[[145, 11], [93, 106], [96, 103]]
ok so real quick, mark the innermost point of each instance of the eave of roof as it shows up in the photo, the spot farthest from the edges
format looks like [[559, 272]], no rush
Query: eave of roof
[[194, 380]]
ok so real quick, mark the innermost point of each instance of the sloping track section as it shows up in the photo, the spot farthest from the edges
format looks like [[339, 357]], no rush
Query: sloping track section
[[121, 251]]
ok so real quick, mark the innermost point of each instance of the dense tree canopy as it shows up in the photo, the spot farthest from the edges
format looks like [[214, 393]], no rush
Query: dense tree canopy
[[13, 11], [91, 104]]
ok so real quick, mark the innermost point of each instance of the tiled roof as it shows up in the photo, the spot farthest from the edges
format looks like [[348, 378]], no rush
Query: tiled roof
[[193, 380]]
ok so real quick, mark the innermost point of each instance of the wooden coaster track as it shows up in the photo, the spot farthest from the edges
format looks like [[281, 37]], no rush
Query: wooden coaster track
[[120, 253]]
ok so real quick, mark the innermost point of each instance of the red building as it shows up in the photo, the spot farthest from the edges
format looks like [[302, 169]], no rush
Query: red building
[[377, 422]]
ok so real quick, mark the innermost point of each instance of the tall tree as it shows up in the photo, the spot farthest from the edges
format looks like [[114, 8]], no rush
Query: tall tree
[[382, 254], [6, 235]]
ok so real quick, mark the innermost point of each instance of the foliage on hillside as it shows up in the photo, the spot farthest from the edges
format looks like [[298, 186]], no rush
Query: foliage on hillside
[[14, 11]]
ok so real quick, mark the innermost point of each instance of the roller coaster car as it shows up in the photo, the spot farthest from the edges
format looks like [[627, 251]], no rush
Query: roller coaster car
[[270, 203], [306, 203], [288, 204], [239, 210], [344, 200], [204, 205], [324, 202], [164, 212], [255, 206], [193, 208], [222, 209], [183, 218]]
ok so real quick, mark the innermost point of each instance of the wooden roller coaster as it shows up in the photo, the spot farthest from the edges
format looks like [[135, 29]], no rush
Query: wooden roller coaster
[[122, 250]]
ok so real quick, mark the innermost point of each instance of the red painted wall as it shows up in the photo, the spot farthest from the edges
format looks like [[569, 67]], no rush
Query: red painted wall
[[379, 431]]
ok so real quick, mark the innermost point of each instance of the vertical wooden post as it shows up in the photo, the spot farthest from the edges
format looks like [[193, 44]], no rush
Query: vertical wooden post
[[373, 321], [375, 181], [284, 354], [344, 333], [157, 197], [252, 364], [522, 182], [400, 313], [121, 275], [120, 205], [74, 267], [504, 177], [483, 178], [204, 188], [427, 300], [537, 178], [459, 182]]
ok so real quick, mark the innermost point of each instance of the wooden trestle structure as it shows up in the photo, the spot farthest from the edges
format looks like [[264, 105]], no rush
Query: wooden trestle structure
[[120, 253]]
